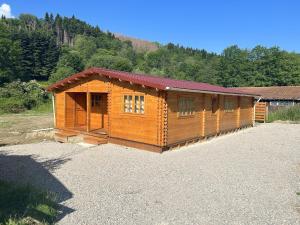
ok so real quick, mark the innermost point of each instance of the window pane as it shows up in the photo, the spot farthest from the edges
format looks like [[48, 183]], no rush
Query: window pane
[[228, 105], [142, 104], [130, 102], [93, 101], [136, 104], [125, 103]]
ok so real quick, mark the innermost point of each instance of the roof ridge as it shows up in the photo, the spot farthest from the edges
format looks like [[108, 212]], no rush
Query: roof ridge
[[152, 81]]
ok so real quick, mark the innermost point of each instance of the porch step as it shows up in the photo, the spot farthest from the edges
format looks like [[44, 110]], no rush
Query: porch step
[[94, 140], [98, 134], [64, 136]]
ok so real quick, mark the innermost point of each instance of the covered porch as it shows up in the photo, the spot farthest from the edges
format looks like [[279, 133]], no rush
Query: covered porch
[[86, 112]]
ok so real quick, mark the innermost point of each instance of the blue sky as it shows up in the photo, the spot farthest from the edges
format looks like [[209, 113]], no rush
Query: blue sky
[[212, 25]]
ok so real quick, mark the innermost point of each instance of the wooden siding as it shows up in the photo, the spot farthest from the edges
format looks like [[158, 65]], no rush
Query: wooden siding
[[70, 110], [92, 84], [228, 120], [183, 127], [136, 127], [210, 119], [205, 122], [246, 117], [60, 109]]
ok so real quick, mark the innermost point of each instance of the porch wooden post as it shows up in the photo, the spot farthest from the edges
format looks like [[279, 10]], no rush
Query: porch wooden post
[[88, 111], [218, 113], [203, 116], [239, 113]]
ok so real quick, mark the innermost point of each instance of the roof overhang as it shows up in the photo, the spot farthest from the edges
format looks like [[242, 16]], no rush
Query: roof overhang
[[142, 80], [281, 99], [210, 92]]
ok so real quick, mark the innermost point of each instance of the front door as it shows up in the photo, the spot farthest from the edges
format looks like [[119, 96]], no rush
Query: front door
[[97, 106], [80, 109]]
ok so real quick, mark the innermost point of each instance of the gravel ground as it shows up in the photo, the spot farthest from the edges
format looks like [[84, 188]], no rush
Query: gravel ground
[[249, 177]]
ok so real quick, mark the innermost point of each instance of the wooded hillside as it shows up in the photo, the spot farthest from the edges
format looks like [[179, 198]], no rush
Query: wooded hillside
[[54, 47]]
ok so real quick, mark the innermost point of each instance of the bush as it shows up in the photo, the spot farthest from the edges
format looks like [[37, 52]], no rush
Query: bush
[[12, 105], [285, 114], [17, 96]]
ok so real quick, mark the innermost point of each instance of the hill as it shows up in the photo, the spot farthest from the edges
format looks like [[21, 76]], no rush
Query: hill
[[138, 44], [54, 47]]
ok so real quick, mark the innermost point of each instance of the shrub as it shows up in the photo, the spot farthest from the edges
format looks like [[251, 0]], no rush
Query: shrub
[[12, 105], [18, 96], [286, 114]]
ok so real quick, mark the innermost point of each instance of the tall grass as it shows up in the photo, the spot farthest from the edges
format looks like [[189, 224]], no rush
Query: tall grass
[[285, 114], [21, 203], [46, 107]]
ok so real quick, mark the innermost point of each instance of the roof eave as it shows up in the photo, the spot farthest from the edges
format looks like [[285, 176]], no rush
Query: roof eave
[[209, 92]]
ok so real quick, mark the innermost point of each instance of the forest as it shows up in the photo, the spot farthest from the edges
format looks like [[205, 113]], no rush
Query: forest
[[51, 48]]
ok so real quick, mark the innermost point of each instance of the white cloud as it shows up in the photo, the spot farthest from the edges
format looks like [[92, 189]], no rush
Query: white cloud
[[5, 10]]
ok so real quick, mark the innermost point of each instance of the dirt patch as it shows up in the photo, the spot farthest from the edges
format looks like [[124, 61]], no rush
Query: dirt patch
[[21, 128]]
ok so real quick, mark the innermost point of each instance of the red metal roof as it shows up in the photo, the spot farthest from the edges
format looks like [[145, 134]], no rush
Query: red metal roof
[[274, 92], [160, 83]]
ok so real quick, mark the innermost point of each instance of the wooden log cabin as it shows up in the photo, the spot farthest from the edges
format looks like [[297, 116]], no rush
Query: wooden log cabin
[[142, 111]]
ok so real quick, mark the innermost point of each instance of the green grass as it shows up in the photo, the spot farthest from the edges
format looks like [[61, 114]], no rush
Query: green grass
[[46, 107], [285, 114], [22, 204]]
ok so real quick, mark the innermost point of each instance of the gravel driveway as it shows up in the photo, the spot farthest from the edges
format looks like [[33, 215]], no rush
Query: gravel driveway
[[249, 177]]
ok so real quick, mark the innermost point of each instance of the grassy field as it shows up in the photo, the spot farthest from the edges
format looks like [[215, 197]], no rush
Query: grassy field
[[41, 109], [22, 205], [285, 114], [15, 127]]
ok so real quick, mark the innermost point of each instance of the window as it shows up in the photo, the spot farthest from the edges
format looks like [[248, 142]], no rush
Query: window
[[138, 105], [127, 103], [214, 104], [96, 100], [228, 105], [186, 106]]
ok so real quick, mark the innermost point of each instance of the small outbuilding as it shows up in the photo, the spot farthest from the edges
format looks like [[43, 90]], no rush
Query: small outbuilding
[[142, 111], [276, 96], [272, 98]]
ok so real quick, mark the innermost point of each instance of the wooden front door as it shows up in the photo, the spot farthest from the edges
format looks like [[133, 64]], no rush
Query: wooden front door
[[98, 111], [80, 109]]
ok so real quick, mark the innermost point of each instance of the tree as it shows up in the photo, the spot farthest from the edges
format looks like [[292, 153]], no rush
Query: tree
[[71, 59], [110, 62], [9, 57], [86, 46], [61, 73], [234, 67]]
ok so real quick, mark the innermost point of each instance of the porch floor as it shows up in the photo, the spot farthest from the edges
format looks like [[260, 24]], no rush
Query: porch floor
[[79, 134]]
